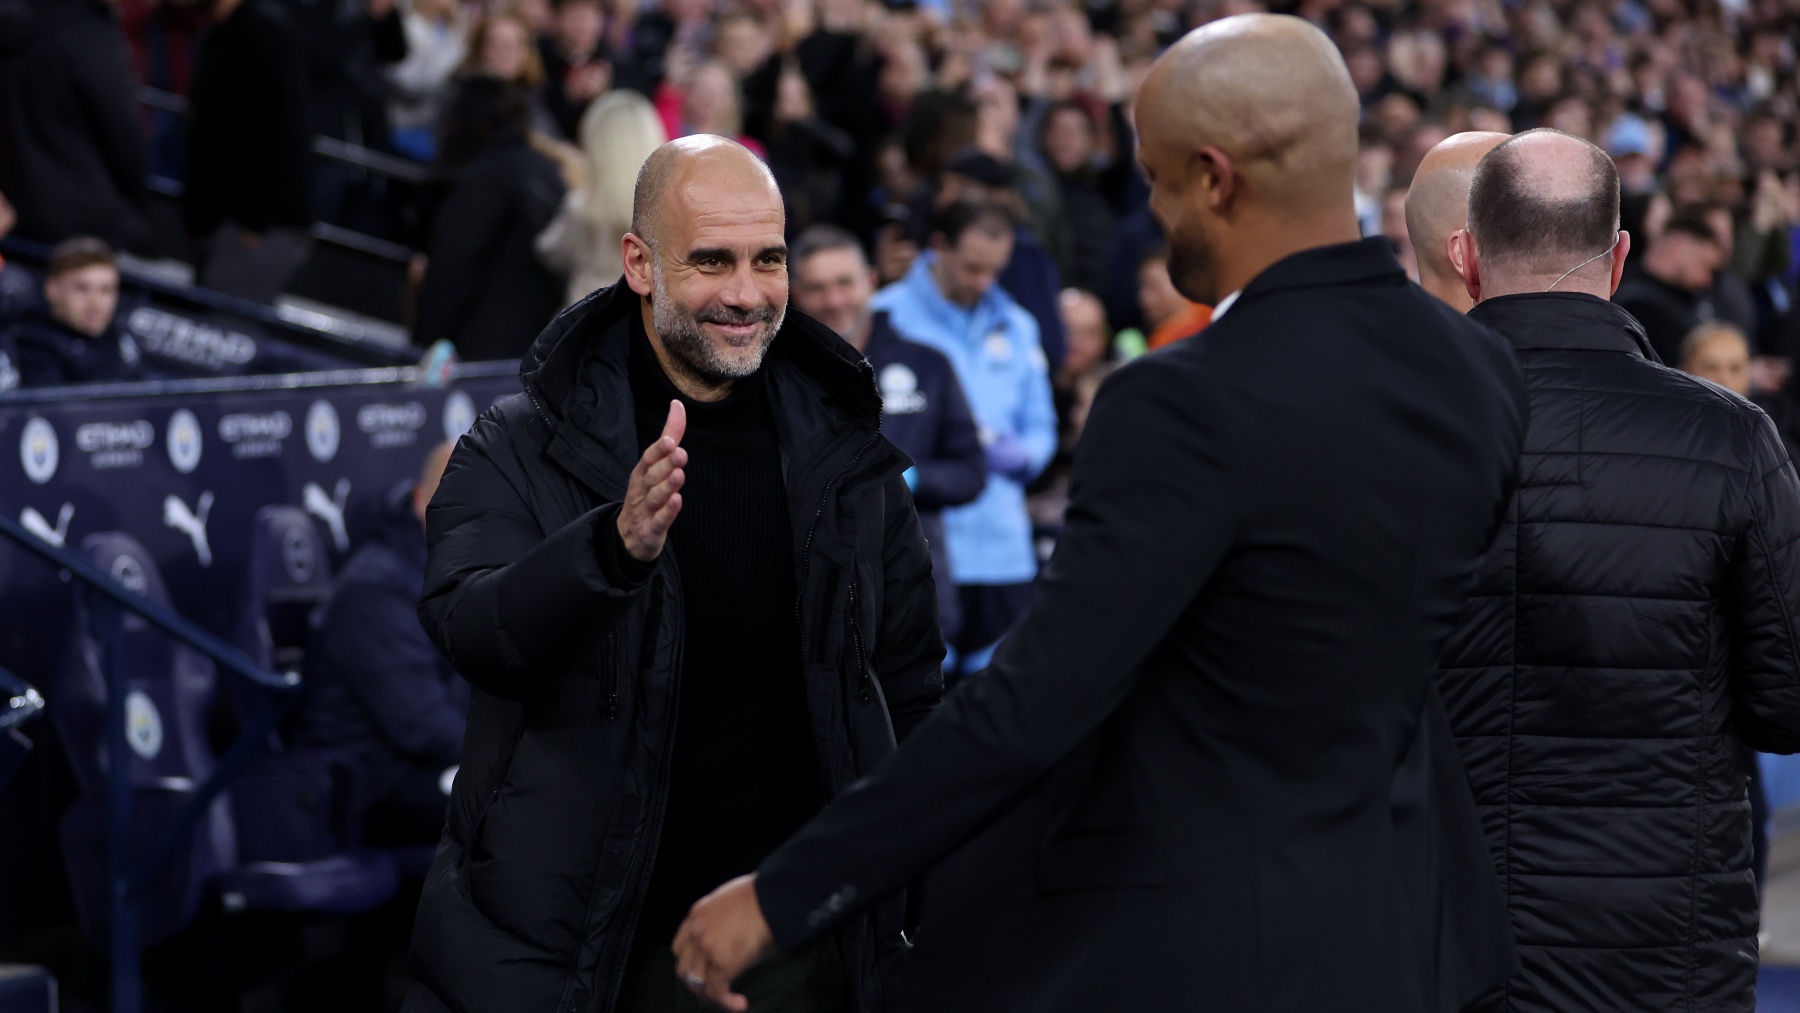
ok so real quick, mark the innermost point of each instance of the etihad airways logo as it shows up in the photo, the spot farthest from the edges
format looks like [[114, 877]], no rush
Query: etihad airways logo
[[115, 444], [391, 425], [255, 434]]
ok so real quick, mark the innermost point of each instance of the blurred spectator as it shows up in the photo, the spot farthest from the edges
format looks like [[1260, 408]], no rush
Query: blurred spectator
[[1729, 295], [347, 46], [485, 289], [1393, 226], [74, 336], [437, 42], [248, 203], [19, 291], [1091, 189], [923, 409], [1168, 313], [501, 47], [710, 103], [1718, 352], [377, 688], [808, 154], [1072, 391], [617, 134], [950, 300], [1031, 277], [1665, 291], [576, 65], [72, 155], [1637, 151]]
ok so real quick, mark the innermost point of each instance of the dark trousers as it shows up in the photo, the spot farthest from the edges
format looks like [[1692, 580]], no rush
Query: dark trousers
[[809, 982]]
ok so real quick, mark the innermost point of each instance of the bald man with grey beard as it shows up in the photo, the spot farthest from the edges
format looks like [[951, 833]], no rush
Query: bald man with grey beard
[[1207, 770], [683, 572]]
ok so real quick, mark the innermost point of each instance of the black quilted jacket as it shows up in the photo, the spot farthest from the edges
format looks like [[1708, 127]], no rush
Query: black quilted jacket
[[1634, 623]]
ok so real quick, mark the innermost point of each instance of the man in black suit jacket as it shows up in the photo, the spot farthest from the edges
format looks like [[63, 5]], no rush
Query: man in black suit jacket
[[1206, 771]]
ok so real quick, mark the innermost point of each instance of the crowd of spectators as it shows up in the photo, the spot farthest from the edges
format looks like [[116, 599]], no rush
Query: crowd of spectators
[[876, 116]]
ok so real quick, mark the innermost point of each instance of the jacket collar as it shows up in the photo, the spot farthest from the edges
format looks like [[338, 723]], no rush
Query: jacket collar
[[924, 286], [576, 375], [1537, 321], [1362, 262]]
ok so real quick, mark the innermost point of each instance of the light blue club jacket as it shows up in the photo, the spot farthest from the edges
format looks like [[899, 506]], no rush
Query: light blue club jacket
[[995, 350]]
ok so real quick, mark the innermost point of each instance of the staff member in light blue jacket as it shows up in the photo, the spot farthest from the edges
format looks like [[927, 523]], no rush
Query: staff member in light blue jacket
[[950, 302]]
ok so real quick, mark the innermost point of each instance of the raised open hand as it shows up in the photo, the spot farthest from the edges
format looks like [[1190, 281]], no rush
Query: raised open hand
[[653, 496]]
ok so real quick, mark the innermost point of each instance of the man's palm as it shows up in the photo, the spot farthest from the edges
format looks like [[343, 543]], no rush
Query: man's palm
[[653, 496]]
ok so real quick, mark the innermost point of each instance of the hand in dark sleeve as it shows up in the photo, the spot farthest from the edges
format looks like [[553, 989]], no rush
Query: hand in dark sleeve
[[1149, 519], [513, 607], [956, 471], [375, 646], [1765, 618]]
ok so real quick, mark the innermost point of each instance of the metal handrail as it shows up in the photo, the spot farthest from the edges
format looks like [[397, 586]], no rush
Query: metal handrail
[[19, 702], [108, 601]]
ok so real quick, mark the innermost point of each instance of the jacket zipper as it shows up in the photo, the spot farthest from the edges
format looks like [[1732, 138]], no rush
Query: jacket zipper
[[864, 690], [612, 676], [812, 529]]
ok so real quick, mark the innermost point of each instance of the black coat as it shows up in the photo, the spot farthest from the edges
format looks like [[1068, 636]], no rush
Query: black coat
[[485, 289], [51, 354], [533, 899], [72, 156], [1665, 312], [925, 413], [377, 686], [1633, 625], [1196, 774], [250, 139]]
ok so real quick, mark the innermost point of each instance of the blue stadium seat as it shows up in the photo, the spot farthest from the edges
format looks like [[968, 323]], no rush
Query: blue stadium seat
[[172, 691]]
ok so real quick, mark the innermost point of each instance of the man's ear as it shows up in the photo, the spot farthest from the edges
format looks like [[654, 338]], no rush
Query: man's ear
[[639, 264], [1618, 264], [1216, 175], [1467, 261]]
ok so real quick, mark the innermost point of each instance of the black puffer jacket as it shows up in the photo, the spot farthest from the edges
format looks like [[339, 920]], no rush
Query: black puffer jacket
[[1634, 623], [555, 818]]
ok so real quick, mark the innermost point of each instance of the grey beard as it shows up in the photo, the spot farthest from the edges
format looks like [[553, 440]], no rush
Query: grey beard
[[687, 344]]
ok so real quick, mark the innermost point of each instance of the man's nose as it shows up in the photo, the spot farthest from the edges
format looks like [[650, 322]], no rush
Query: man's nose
[[740, 288]]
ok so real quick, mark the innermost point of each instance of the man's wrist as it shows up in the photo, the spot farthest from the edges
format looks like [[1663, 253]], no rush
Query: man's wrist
[[617, 564]]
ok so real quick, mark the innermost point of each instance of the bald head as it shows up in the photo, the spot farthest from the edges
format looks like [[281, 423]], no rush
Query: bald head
[[1247, 132], [699, 165], [1544, 207], [1268, 90], [1437, 204]]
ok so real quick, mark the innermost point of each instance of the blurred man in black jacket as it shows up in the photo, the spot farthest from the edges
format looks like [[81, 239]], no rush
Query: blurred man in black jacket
[[379, 688], [1207, 769], [1634, 626], [249, 183], [923, 408], [74, 337], [71, 144]]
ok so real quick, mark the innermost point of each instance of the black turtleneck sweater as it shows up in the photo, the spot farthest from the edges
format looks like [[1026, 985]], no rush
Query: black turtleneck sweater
[[744, 775]]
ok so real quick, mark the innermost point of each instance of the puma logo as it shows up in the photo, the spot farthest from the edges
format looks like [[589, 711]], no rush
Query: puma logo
[[35, 523], [191, 523], [329, 509]]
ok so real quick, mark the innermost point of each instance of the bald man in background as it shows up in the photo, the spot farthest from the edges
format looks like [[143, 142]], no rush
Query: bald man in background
[[1437, 207], [1634, 628], [1207, 770], [684, 575]]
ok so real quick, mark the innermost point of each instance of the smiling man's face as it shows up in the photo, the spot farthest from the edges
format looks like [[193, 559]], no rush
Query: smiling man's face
[[718, 279]]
